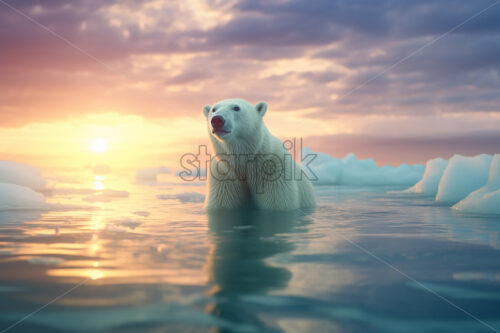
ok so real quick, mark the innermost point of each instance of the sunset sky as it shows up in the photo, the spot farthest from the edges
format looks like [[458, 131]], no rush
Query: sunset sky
[[132, 76]]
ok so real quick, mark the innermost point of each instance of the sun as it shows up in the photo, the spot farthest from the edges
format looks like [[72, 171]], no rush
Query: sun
[[99, 146]]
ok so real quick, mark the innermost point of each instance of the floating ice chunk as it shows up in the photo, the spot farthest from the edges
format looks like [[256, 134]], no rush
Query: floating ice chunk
[[486, 199], [351, 171], [46, 261], [146, 175], [429, 183], [462, 176], [150, 174], [183, 197], [123, 225], [16, 197], [21, 174], [366, 172], [325, 169]]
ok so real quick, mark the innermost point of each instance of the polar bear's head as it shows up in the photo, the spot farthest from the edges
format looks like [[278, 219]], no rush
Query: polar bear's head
[[234, 118]]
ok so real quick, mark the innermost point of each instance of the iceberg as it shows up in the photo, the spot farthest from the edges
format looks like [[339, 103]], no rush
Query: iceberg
[[462, 176], [21, 174], [16, 197], [328, 170], [485, 200], [429, 183]]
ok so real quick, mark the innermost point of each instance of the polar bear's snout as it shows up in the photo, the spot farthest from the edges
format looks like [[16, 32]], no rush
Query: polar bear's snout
[[221, 126], [217, 123]]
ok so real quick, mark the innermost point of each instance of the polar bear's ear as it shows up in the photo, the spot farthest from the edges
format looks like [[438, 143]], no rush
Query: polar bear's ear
[[261, 108], [206, 110]]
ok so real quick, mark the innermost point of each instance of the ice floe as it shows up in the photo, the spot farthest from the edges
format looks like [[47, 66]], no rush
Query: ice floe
[[485, 200], [462, 176], [22, 174], [328, 170], [17, 197]]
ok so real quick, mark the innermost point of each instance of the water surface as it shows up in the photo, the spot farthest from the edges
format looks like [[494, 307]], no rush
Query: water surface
[[365, 260]]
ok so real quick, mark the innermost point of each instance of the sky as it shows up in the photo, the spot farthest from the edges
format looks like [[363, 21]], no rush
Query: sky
[[397, 81]]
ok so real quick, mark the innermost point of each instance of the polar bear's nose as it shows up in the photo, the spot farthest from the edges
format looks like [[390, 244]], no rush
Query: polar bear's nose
[[217, 122]]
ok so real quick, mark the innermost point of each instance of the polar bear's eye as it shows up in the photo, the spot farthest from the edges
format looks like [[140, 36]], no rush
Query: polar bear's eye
[[214, 109], [236, 108]]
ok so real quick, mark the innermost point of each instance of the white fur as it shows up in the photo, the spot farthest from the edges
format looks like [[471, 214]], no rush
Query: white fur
[[237, 178]]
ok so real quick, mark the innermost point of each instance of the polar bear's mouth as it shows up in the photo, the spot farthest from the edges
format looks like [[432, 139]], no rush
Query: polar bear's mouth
[[220, 131]]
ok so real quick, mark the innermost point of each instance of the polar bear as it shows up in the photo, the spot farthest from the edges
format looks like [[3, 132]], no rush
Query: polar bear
[[251, 167]]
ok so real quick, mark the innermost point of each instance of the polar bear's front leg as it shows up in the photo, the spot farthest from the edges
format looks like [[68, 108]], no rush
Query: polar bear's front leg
[[271, 184], [226, 191], [280, 194]]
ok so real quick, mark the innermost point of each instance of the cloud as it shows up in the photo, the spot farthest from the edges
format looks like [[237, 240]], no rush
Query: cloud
[[263, 31], [168, 59], [411, 148]]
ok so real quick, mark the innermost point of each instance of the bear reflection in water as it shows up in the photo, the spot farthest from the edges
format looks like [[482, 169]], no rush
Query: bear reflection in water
[[238, 265]]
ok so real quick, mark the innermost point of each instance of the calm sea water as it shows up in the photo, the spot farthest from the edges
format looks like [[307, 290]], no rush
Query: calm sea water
[[364, 261]]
